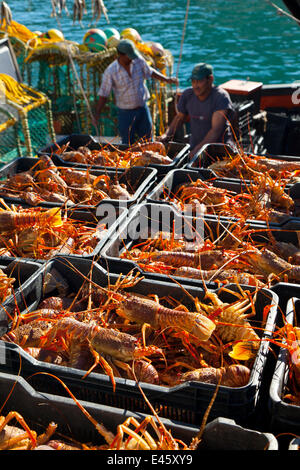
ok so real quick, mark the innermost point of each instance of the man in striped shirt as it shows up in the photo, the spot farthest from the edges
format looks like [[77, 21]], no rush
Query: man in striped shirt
[[126, 78]]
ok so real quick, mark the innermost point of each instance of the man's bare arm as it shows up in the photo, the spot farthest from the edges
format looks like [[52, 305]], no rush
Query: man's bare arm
[[163, 78], [99, 106], [177, 121]]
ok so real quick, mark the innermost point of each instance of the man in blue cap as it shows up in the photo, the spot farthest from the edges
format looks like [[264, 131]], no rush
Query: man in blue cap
[[126, 78], [207, 107]]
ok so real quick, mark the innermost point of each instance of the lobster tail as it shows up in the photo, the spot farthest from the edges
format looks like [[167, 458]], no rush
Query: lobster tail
[[10, 220]]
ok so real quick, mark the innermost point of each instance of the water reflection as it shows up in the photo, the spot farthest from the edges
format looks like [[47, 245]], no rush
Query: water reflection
[[226, 34]]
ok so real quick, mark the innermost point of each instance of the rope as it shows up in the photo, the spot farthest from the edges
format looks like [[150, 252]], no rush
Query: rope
[[183, 35], [181, 45], [282, 12], [81, 89]]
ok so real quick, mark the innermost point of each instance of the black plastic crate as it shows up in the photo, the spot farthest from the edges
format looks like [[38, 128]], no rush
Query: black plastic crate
[[153, 218], [165, 218], [178, 152], [26, 289], [39, 409], [186, 402], [112, 218], [285, 417], [293, 137], [139, 181], [149, 218], [284, 291], [224, 434], [168, 186], [211, 153]]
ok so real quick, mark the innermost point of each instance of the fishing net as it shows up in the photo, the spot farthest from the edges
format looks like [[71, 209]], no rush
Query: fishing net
[[26, 119]]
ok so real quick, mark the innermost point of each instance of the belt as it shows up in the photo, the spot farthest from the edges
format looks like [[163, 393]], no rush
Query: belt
[[131, 109]]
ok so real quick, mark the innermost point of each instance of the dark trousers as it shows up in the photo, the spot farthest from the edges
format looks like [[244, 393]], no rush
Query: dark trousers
[[135, 124]]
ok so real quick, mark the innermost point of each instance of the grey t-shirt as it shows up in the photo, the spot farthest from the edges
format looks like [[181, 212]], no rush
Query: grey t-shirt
[[200, 113]]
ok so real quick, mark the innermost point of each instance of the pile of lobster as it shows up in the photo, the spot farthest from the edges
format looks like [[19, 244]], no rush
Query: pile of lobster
[[157, 339], [6, 286], [141, 154], [152, 339], [130, 435], [262, 199], [45, 182], [41, 233], [234, 257], [249, 167]]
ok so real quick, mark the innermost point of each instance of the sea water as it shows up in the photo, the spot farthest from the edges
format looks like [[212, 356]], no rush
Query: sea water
[[241, 39]]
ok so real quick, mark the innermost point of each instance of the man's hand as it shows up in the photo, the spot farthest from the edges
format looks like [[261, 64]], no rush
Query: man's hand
[[164, 138], [173, 80]]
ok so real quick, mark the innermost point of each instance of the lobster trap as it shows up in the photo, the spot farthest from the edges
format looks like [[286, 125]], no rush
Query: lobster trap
[[26, 120], [51, 71], [10, 144], [70, 77]]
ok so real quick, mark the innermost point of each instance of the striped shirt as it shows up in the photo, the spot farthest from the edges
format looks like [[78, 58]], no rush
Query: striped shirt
[[130, 91]]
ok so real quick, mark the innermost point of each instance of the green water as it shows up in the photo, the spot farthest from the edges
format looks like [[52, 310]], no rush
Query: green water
[[241, 39]]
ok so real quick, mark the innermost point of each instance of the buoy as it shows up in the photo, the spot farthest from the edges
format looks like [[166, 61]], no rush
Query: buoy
[[131, 33], [156, 48], [95, 40], [111, 32], [54, 34]]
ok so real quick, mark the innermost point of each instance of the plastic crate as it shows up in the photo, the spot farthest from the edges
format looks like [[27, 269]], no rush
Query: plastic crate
[[112, 219], [293, 136], [294, 444], [138, 179], [186, 402], [224, 434], [164, 218], [242, 127], [177, 151], [25, 288], [211, 153], [154, 218], [284, 291], [169, 185], [39, 409], [285, 417]]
